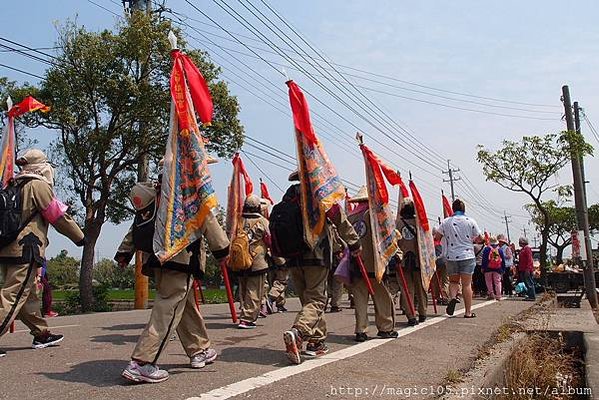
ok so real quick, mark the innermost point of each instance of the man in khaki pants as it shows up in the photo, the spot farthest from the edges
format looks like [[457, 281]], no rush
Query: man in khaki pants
[[21, 259], [383, 301], [174, 305], [309, 273]]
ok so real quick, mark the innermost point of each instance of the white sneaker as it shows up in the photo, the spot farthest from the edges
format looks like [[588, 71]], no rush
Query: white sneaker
[[203, 357], [2, 353], [144, 373]]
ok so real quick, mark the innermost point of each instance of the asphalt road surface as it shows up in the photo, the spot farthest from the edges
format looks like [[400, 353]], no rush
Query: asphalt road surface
[[251, 364]]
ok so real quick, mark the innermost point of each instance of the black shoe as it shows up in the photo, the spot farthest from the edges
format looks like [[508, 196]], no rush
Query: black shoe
[[2, 353], [361, 337], [388, 335], [335, 309], [451, 306], [412, 322], [281, 309], [46, 339], [421, 318]]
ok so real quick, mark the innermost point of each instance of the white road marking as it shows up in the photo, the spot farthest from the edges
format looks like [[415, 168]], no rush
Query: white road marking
[[51, 327], [246, 385]]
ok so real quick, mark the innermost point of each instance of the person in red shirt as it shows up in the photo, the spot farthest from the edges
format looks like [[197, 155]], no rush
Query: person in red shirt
[[526, 269]]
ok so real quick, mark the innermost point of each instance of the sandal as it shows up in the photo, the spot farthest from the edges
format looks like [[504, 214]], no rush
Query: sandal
[[472, 315]]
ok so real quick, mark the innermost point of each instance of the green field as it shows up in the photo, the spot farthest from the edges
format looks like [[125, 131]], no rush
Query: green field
[[212, 296]]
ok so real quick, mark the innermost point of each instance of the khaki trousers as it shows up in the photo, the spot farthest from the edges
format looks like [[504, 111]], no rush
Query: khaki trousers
[[334, 290], [265, 290], [415, 291], [384, 312], [279, 285], [251, 292], [310, 284], [19, 298], [174, 309]]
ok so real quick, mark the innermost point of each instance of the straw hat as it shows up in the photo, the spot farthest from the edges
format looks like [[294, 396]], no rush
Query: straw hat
[[294, 176], [362, 195], [142, 194], [493, 240], [501, 238]]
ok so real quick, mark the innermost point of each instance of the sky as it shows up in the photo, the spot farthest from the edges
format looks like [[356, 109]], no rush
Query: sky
[[408, 59]]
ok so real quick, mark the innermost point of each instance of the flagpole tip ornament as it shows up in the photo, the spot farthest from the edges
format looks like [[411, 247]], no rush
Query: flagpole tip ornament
[[172, 39], [360, 138], [294, 176], [9, 102]]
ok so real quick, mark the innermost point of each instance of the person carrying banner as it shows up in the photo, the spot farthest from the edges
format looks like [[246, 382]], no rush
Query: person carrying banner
[[383, 301], [410, 264], [334, 287], [23, 253], [174, 306], [253, 238], [309, 271]]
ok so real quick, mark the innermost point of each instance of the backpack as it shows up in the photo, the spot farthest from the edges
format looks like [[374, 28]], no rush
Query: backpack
[[11, 213], [143, 228], [287, 229], [494, 258], [240, 255]]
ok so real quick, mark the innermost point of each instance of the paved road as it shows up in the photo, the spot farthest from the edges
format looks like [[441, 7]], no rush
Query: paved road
[[88, 363]]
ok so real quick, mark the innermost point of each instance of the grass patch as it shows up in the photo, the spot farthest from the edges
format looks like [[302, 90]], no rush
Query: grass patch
[[453, 377]]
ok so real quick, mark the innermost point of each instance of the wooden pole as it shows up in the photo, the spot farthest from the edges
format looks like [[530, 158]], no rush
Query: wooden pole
[[141, 285]]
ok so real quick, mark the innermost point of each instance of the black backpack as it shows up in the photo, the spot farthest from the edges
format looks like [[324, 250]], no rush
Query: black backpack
[[11, 212], [287, 229], [143, 228]]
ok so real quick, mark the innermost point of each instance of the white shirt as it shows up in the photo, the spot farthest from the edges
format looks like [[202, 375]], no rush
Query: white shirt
[[458, 232]]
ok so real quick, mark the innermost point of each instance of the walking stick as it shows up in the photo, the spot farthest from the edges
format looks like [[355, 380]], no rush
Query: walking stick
[[430, 290], [405, 286], [201, 290], [12, 327], [195, 294], [223, 269], [365, 275]]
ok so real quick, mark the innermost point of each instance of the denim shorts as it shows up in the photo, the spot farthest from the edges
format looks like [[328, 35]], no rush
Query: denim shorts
[[461, 267]]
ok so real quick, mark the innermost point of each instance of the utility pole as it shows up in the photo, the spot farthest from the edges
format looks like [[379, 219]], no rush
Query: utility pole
[[524, 230], [577, 127], [507, 226], [580, 202], [451, 179], [141, 281]]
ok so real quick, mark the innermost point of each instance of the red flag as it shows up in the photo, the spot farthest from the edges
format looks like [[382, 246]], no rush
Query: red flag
[[27, 105], [379, 168], [184, 69], [301, 112], [264, 192], [419, 207], [447, 210], [249, 186], [235, 196]]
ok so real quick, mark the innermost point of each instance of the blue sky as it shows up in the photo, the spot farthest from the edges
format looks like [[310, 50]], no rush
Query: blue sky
[[512, 50]]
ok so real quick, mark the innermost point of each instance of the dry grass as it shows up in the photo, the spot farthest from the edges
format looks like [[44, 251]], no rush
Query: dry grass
[[453, 377], [538, 362]]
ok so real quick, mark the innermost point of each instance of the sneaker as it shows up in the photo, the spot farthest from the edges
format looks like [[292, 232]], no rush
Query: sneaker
[[293, 345], [144, 373], [316, 349], [412, 322], [202, 358], [263, 312], [246, 325], [2, 353], [46, 339], [388, 335], [335, 309], [421, 318], [281, 309], [51, 314], [361, 337]]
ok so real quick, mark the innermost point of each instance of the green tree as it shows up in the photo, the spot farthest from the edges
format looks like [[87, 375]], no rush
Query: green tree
[[562, 221], [63, 270], [102, 86], [528, 166]]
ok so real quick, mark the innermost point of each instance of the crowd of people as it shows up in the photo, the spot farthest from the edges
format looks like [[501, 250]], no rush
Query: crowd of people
[[265, 254]]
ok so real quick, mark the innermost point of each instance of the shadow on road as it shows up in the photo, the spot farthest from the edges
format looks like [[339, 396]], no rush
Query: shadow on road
[[254, 355], [124, 327], [98, 373], [117, 339]]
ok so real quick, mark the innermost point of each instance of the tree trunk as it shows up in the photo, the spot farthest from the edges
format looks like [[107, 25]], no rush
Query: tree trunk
[[543, 255], [87, 267]]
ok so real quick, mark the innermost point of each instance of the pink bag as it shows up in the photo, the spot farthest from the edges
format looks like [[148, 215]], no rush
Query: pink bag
[[343, 271]]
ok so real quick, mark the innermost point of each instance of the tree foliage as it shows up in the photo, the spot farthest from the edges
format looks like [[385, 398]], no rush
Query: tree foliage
[[102, 87], [529, 166]]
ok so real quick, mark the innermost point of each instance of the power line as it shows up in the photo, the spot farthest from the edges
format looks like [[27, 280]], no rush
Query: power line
[[21, 71]]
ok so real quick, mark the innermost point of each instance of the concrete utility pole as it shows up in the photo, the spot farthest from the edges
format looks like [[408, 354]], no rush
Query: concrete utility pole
[[580, 202], [141, 281], [577, 127], [451, 179], [507, 226]]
